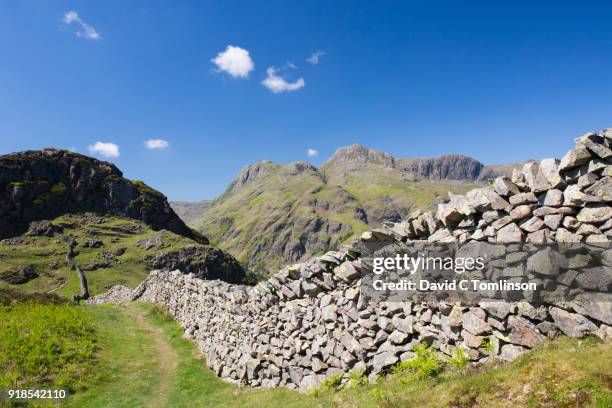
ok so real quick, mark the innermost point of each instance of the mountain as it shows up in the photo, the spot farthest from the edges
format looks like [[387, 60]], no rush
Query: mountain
[[60, 209], [190, 211], [272, 214]]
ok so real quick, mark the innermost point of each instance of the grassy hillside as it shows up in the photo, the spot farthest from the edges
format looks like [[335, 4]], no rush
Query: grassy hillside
[[110, 250], [140, 359], [274, 214], [280, 216]]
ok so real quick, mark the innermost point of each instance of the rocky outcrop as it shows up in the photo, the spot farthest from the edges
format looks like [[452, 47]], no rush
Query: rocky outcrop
[[445, 167], [312, 320], [39, 185], [451, 167], [203, 262]]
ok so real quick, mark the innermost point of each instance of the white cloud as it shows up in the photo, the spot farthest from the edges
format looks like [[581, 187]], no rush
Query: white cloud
[[235, 61], [159, 144], [315, 57], [104, 149], [278, 84], [86, 31], [313, 153]]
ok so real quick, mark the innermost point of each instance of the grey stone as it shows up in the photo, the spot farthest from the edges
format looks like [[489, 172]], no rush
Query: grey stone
[[574, 158], [475, 324], [572, 324], [510, 352], [510, 233], [505, 187], [595, 213]]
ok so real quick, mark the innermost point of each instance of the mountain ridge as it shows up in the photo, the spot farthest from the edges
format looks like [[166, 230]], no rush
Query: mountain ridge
[[274, 213]]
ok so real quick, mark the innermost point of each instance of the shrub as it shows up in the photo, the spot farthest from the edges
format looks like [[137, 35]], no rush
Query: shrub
[[426, 364], [459, 359], [487, 345], [44, 345], [357, 378], [332, 382]]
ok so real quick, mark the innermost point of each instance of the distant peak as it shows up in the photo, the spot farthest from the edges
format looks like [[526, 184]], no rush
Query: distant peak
[[360, 153], [251, 172]]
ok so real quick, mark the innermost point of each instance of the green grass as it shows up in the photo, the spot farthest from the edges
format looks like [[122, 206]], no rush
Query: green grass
[[45, 345], [142, 360], [128, 373], [47, 255]]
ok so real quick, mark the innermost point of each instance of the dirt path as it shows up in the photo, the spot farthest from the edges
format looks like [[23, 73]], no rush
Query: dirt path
[[166, 356]]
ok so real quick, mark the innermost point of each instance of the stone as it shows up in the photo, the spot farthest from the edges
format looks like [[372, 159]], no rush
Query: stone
[[574, 158], [553, 221], [450, 215], [588, 229], [572, 324], [547, 261], [595, 213], [535, 178], [501, 222], [347, 272], [601, 189], [471, 340], [510, 352], [564, 235], [523, 332], [523, 198], [598, 278], [587, 180], [461, 203], [505, 187], [384, 360], [598, 309], [441, 235], [404, 324], [510, 233], [43, 229], [550, 169], [498, 309], [520, 212], [533, 224], [517, 177], [552, 198], [475, 324], [595, 144], [398, 337]]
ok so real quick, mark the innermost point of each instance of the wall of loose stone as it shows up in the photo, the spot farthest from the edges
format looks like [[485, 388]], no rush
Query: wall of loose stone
[[311, 320]]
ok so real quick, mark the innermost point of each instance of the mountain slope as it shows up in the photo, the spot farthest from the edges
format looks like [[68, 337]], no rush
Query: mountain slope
[[272, 214]]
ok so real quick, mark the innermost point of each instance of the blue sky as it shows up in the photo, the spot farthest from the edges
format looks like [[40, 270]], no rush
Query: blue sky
[[499, 81]]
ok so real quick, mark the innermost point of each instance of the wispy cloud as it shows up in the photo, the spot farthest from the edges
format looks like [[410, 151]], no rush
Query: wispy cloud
[[104, 149], [315, 57], [235, 61], [156, 144], [313, 153], [278, 84], [86, 30]]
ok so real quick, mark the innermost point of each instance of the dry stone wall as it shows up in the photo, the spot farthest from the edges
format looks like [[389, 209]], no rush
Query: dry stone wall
[[311, 321]]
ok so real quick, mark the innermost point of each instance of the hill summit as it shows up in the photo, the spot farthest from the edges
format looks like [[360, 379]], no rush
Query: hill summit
[[44, 184]]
